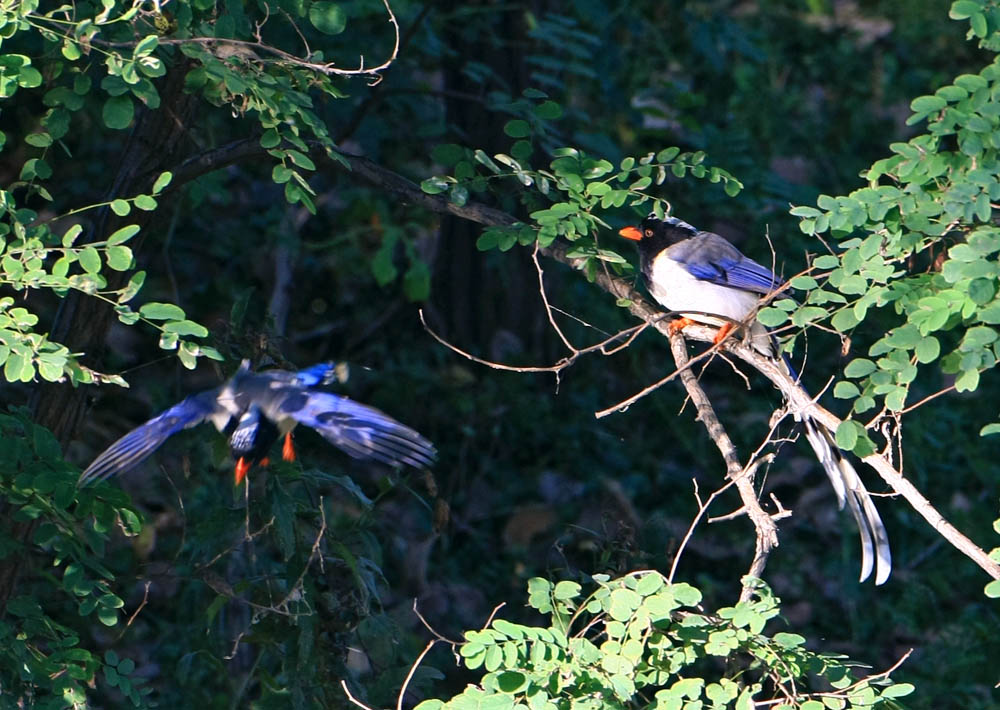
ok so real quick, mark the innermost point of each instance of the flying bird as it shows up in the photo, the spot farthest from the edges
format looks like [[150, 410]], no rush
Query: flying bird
[[702, 276], [257, 408]]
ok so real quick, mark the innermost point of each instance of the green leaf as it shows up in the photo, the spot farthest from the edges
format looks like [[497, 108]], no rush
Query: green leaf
[[928, 349], [107, 616], [120, 207], [807, 314], [548, 110], [964, 9], [134, 286], [327, 17], [162, 181], [119, 258], [71, 234], [434, 185], [846, 390], [898, 690], [566, 590], [145, 202], [161, 311], [146, 46], [118, 112], [517, 128], [968, 381], [38, 140], [301, 159], [978, 24], [186, 327], [90, 260], [859, 367], [120, 236], [771, 317], [927, 104], [847, 435], [281, 174], [992, 590]]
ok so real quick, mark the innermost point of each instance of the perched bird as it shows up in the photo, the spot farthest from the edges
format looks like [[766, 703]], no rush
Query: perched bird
[[256, 408], [702, 276]]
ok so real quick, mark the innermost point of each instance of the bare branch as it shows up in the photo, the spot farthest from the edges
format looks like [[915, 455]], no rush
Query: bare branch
[[355, 701], [430, 628], [702, 508], [767, 531], [413, 669]]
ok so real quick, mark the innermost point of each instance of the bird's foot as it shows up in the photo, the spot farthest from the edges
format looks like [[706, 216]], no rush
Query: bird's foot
[[242, 466], [288, 449], [679, 324], [725, 330]]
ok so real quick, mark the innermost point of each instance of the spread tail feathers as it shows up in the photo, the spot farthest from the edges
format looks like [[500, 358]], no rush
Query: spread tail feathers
[[875, 551]]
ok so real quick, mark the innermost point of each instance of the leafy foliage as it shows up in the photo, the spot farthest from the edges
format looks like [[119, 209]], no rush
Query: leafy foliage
[[570, 191], [43, 656], [642, 641]]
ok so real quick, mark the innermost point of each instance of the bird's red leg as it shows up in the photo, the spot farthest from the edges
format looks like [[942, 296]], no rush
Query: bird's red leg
[[679, 324], [242, 466], [723, 332], [288, 449]]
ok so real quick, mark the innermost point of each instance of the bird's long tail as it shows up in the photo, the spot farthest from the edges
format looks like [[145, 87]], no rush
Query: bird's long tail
[[875, 553]]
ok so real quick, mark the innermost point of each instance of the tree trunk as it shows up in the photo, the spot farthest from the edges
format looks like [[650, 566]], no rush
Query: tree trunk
[[82, 322]]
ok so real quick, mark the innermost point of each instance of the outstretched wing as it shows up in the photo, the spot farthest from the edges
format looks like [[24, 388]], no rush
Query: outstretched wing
[[360, 431], [133, 448], [711, 258]]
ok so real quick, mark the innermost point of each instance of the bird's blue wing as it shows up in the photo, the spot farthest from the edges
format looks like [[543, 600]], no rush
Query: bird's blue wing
[[133, 448], [321, 374], [742, 273], [361, 431]]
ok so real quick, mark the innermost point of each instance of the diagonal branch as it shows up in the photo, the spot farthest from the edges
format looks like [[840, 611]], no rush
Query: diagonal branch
[[767, 531]]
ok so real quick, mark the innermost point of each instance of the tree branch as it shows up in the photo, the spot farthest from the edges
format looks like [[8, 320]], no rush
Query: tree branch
[[767, 531]]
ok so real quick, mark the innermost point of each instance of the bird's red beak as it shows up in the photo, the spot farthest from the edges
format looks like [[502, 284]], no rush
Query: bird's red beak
[[632, 233], [242, 466]]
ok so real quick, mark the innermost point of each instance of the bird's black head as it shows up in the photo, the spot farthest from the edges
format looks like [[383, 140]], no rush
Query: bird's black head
[[653, 235]]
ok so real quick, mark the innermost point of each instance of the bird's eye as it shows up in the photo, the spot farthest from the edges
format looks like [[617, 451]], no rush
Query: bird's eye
[[649, 232]]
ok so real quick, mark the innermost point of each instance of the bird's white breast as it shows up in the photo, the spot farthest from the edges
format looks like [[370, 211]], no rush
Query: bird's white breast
[[677, 289]]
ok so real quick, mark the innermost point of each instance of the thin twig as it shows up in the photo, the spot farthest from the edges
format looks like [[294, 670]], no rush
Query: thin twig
[[545, 300], [347, 692], [603, 347], [430, 628], [702, 507], [493, 613], [413, 669], [145, 599]]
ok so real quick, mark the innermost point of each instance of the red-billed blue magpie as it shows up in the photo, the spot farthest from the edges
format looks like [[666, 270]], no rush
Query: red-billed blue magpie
[[256, 408], [701, 276]]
